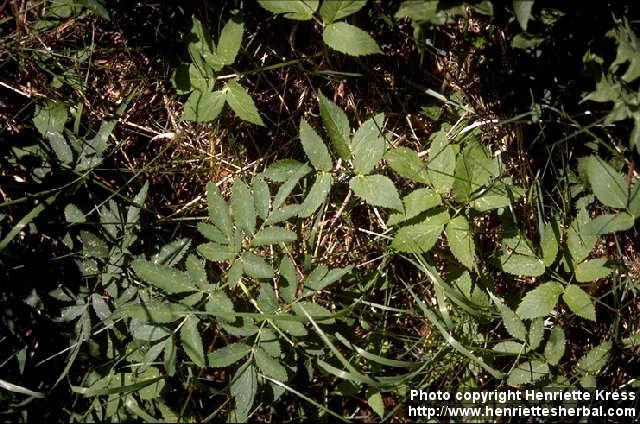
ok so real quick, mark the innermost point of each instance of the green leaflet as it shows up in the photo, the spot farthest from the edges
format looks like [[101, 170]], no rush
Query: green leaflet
[[155, 312], [428, 11], [607, 184], [592, 270], [442, 162], [554, 349], [212, 233], [579, 240], [349, 39], [420, 238], [288, 283], [243, 387], [50, 117], [191, 340], [473, 170], [166, 278], [201, 46], [217, 252], [321, 277], [261, 196], [606, 224], [241, 103], [336, 124], [133, 211], [522, 10], [317, 195], [269, 342], [579, 302], [293, 328], [300, 10], [273, 235], [171, 253], [333, 10], [314, 148], [549, 244], [461, 241], [499, 194], [60, 148], [519, 258], [376, 190], [255, 266], [510, 348], [267, 301], [170, 353], [243, 207], [540, 301], [536, 333], [228, 355], [634, 199], [512, 322], [281, 170], [229, 41], [149, 333], [269, 366], [288, 186], [375, 401], [415, 203], [219, 303], [219, 211], [317, 312], [93, 246], [406, 163], [368, 145], [592, 361], [527, 373], [197, 273], [203, 106], [73, 214]]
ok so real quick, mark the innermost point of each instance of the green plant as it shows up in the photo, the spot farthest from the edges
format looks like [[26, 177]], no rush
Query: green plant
[[202, 75], [339, 35]]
